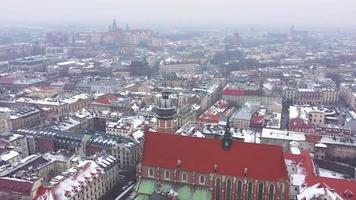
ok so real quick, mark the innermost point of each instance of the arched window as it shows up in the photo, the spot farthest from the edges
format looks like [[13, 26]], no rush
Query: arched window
[[249, 191], [217, 189], [271, 192], [260, 191], [184, 177], [166, 174], [239, 190], [228, 189], [201, 180], [151, 173]]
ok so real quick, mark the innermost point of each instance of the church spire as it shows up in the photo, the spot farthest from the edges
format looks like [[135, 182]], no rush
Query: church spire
[[227, 139]]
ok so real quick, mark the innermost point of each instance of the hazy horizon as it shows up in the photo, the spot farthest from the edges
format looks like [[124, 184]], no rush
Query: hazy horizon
[[302, 13]]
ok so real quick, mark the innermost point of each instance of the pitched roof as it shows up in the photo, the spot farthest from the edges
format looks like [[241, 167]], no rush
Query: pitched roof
[[263, 162], [299, 122], [65, 187], [318, 191], [257, 120], [15, 185], [240, 92], [107, 99], [343, 187]]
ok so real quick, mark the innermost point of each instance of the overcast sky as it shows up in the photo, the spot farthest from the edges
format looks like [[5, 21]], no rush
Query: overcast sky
[[228, 12]]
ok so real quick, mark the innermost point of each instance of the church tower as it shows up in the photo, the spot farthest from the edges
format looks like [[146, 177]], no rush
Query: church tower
[[165, 114]]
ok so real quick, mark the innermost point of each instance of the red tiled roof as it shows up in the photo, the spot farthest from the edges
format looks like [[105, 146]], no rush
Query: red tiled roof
[[41, 192], [300, 124], [332, 131], [60, 189], [239, 92], [257, 120], [209, 118], [106, 99], [215, 112], [341, 186], [15, 185], [221, 104], [312, 138], [263, 162], [234, 92]]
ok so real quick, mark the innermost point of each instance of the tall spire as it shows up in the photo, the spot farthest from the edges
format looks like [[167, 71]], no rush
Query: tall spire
[[227, 139]]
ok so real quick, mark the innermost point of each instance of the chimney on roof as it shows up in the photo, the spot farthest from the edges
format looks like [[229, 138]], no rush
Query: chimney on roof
[[215, 168], [245, 176], [178, 163]]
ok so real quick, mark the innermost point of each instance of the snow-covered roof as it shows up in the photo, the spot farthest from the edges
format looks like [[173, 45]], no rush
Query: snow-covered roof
[[282, 135], [303, 111], [318, 191], [71, 181], [321, 145], [9, 155]]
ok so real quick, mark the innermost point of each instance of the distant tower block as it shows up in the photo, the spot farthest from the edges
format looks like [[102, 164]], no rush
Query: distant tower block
[[114, 25], [165, 114]]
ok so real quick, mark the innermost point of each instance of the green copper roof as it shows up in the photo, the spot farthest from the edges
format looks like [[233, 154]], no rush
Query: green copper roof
[[185, 191], [146, 187], [201, 194]]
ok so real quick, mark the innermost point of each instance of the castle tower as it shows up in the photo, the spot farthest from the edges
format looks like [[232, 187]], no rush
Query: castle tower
[[165, 114]]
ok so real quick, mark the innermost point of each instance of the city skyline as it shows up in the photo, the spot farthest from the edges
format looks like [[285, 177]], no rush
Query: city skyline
[[177, 100], [219, 14]]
